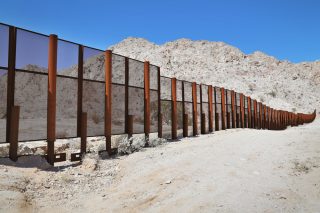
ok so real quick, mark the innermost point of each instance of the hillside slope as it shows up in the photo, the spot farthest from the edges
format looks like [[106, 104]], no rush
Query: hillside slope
[[281, 84]]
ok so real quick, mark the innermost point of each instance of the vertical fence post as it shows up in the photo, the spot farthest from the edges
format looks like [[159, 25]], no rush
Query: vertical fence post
[[174, 108], [202, 114], [233, 100], [159, 106], [264, 117], [126, 95], [216, 115], [260, 116], [52, 80], [14, 132], [11, 78], [210, 109], [241, 111], [147, 101], [108, 99], [223, 109], [194, 109], [83, 133], [80, 90], [227, 110], [185, 115], [249, 112]]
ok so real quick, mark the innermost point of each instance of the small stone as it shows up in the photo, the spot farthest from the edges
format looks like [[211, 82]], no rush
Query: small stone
[[5, 170], [168, 182]]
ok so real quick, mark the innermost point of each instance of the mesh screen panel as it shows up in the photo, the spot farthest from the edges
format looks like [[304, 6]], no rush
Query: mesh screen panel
[[4, 45], [187, 91], [32, 51], [199, 118], [153, 77], [166, 119], [136, 73], [136, 108], [198, 93], [205, 110], [93, 64], [3, 104], [218, 94], [179, 119], [188, 110], [118, 69], [165, 88], [93, 105], [66, 107], [205, 93], [31, 91], [67, 59], [154, 111], [179, 90], [118, 109]]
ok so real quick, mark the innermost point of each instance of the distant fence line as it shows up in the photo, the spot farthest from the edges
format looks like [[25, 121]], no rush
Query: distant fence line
[[54, 89]]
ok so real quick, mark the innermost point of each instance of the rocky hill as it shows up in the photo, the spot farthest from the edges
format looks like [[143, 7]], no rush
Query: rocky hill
[[280, 84]]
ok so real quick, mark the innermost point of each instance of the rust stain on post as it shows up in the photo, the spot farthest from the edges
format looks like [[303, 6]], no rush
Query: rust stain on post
[[51, 115], [80, 90], [108, 99], [241, 111], [159, 106], [249, 112], [83, 134]]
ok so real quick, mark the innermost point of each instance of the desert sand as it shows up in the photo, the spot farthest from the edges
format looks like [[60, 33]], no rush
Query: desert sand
[[238, 170]]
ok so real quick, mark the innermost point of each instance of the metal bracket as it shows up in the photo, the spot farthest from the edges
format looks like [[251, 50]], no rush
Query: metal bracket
[[60, 157], [76, 156]]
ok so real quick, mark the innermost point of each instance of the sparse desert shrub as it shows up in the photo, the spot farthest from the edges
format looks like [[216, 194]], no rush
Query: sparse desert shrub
[[294, 109]]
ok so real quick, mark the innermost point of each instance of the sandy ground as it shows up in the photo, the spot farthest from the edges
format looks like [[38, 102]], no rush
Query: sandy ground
[[239, 170]]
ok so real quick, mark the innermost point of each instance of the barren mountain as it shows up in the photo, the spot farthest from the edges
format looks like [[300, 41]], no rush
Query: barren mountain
[[280, 84]]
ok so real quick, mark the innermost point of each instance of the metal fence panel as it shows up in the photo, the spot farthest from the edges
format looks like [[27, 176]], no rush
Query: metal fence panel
[[4, 45], [66, 107], [118, 69], [179, 119], [205, 93], [3, 104], [118, 109], [165, 88], [31, 92], [179, 90], [187, 92], [136, 108], [166, 118], [153, 77], [93, 64], [32, 51], [188, 110], [218, 94], [136, 73], [67, 59], [94, 105], [154, 110]]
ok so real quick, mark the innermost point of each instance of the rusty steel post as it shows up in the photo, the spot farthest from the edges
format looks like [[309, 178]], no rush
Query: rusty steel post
[[159, 106], [52, 80], [223, 109], [130, 126], [126, 95], [210, 109], [174, 108], [194, 109], [241, 111], [233, 101], [227, 111], [108, 100], [255, 114], [249, 112], [11, 78], [264, 126], [14, 133], [260, 116], [203, 123], [147, 120], [84, 119], [185, 125], [80, 89]]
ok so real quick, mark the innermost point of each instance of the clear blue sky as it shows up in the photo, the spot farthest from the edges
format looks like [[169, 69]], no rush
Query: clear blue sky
[[286, 29]]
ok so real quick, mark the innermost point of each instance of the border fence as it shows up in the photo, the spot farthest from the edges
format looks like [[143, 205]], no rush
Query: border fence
[[55, 89]]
